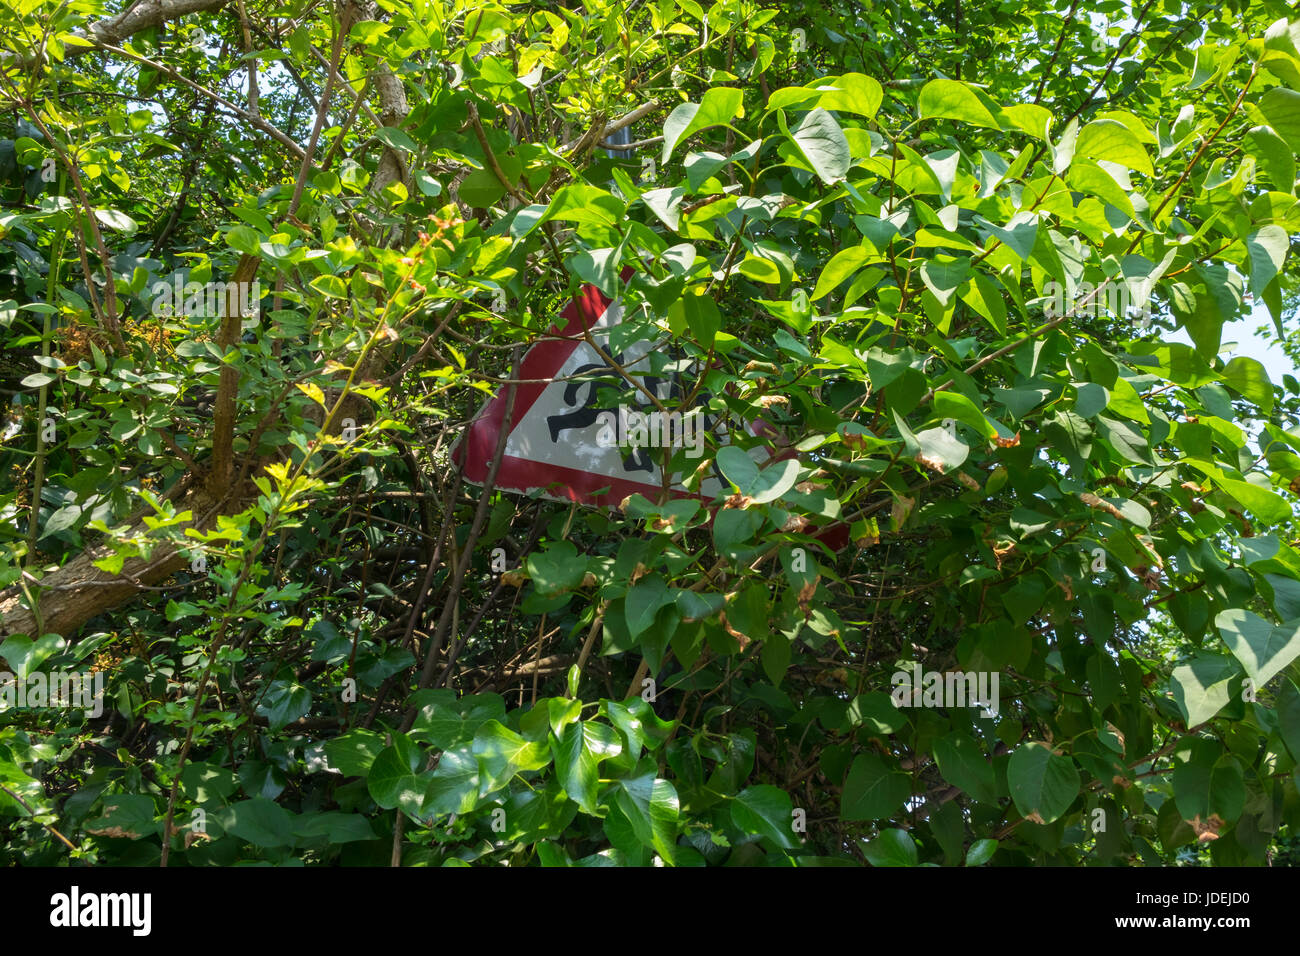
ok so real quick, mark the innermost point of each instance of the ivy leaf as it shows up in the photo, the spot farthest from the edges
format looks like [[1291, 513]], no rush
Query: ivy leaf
[[395, 780], [767, 811], [651, 806], [502, 753]]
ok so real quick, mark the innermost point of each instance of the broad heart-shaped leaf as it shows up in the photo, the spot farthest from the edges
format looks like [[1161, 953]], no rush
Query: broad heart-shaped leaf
[[762, 485], [25, 655], [1267, 248], [502, 753], [953, 99], [1272, 155], [766, 811], [354, 752], [1281, 107], [395, 778], [892, 848], [259, 821], [556, 569], [1288, 716], [939, 450], [873, 789], [852, 93], [1042, 782], [1200, 686], [453, 785], [1249, 377], [1262, 648], [964, 765], [651, 806], [128, 815], [821, 141], [1114, 142], [643, 602], [720, 105]]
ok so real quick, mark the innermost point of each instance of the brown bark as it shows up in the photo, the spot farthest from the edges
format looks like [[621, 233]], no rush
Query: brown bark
[[78, 591]]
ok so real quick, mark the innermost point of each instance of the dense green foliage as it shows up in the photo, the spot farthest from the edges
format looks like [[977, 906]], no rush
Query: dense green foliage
[[940, 248]]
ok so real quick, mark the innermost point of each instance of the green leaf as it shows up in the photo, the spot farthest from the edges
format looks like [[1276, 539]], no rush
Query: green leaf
[[243, 239], [980, 852], [330, 286], [1281, 107], [502, 753], [1267, 506], [354, 752], [842, 265], [766, 811], [117, 221], [1042, 782], [763, 485], [821, 141], [395, 139], [396, 778], [454, 784], [643, 602], [575, 765], [1200, 686], [963, 764], [851, 93], [1288, 716], [650, 805], [1112, 141], [892, 848], [953, 99], [284, 702], [873, 789], [334, 827], [1262, 648], [718, 107], [129, 815], [1273, 156], [558, 568], [259, 821], [939, 450], [26, 656], [1267, 247]]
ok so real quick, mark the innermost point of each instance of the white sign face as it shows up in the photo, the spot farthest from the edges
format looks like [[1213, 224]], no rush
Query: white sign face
[[571, 442]]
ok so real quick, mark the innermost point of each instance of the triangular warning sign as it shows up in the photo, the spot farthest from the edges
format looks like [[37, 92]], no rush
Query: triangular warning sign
[[555, 445]]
